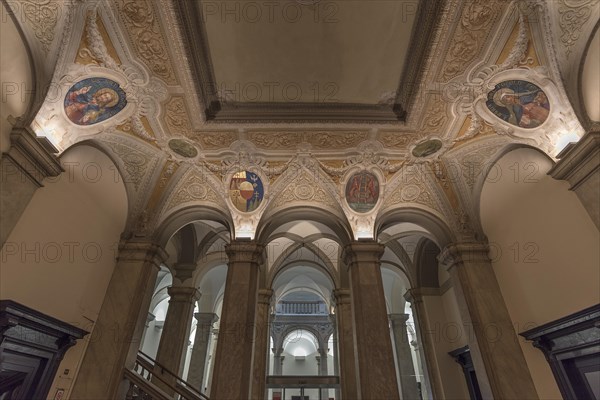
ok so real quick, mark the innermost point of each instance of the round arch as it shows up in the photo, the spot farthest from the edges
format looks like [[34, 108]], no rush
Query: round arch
[[433, 224], [269, 223], [186, 215], [491, 169]]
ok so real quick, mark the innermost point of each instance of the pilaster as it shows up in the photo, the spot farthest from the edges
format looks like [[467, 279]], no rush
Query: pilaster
[[499, 363], [116, 336]]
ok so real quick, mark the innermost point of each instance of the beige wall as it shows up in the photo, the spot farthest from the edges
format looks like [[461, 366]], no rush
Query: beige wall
[[15, 76], [544, 249], [84, 209]]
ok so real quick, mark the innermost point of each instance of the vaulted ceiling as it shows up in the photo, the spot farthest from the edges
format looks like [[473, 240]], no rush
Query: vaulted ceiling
[[182, 93]]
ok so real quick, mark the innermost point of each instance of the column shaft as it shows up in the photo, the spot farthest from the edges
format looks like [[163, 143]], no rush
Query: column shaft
[[261, 345], [433, 380], [199, 355], [176, 332], [278, 364], [233, 360], [408, 380], [116, 336], [376, 369], [499, 363], [347, 353]]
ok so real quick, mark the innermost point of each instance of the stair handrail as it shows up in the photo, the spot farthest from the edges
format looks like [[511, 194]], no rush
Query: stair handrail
[[180, 382], [148, 368]]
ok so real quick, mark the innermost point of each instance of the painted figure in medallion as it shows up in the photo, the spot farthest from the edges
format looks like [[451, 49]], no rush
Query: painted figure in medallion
[[94, 100], [520, 103]]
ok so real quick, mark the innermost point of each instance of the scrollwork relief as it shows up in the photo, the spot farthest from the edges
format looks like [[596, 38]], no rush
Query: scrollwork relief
[[143, 25], [573, 16], [42, 16]]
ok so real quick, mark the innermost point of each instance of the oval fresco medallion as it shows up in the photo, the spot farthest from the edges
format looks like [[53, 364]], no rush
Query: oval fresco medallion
[[520, 103], [246, 191], [94, 100], [427, 148], [362, 191], [183, 148]]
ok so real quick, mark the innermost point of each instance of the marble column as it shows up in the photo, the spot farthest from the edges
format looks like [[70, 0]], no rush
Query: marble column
[[347, 352], [211, 362], [579, 164], [424, 392], [233, 361], [151, 317], [336, 360], [115, 339], [198, 359], [261, 345], [175, 336], [322, 366], [408, 380], [278, 363], [376, 369], [28, 161], [500, 366], [431, 377]]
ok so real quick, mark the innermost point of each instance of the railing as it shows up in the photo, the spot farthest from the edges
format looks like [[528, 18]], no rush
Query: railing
[[146, 377], [302, 308]]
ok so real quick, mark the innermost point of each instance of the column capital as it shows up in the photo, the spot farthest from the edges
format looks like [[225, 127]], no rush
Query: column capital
[[466, 252], [399, 318], [244, 251], [413, 296], [264, 296], [140, 251], [206, 318], [367, 251], [183, 294], [342, 296], [184, 271]]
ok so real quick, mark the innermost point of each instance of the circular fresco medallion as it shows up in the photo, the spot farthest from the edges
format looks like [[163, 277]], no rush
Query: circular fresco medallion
[[362, 191], [94, 100], [427, 148], [183, 148], [520, 103], [246, 191]]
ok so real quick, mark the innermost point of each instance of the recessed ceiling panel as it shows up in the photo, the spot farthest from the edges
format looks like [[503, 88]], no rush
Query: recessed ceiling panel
[[305, 60]]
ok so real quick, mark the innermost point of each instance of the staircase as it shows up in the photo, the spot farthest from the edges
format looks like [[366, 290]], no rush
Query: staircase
[[143, 379]]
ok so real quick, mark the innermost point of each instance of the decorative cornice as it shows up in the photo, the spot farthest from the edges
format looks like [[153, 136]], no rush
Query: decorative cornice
[[578, 162], [34, 156]]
